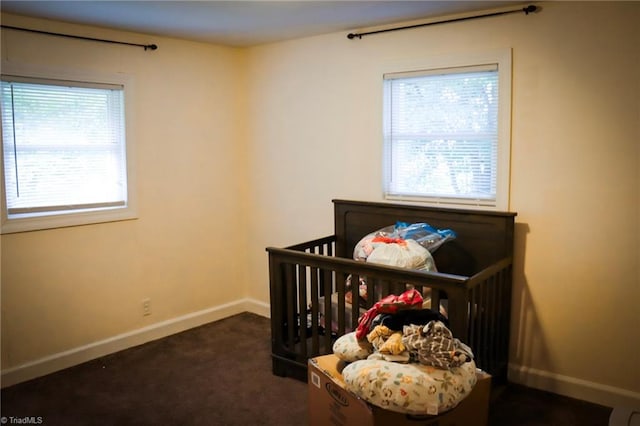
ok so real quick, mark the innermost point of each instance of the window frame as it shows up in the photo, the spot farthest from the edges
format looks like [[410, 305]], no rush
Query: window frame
[[69, 218], [500, 57]]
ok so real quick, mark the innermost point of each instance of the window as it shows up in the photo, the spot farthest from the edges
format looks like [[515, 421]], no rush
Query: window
[[447, 134], [64, 153]]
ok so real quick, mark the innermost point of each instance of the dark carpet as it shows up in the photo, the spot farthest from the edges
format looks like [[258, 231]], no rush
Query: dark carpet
[[220, 374]]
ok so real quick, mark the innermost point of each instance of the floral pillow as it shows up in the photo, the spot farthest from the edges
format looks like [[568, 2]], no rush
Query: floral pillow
[[348, 348], [409, 388]]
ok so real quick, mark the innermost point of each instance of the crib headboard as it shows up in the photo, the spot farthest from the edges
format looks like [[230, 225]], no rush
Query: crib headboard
[[483, 237]]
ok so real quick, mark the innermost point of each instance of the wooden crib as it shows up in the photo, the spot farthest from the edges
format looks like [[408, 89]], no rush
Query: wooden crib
[[473, 282]]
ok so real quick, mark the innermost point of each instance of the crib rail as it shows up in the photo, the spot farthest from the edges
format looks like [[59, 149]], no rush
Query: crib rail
[[304, 275]]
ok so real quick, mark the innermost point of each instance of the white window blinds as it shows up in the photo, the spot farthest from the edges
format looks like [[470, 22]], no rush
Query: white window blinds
[[63, 146], [441, 134]]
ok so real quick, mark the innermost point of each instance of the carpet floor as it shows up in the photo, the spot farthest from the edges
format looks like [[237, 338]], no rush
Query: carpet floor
[[220, 374]]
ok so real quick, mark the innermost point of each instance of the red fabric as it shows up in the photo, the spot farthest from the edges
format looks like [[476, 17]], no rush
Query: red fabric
[[388, 305], [389, 240]]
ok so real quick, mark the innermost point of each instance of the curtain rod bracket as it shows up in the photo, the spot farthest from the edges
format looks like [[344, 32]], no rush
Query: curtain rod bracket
[[527, 10]]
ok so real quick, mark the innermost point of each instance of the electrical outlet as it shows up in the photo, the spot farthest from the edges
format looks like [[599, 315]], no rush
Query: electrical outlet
[[146, 307]]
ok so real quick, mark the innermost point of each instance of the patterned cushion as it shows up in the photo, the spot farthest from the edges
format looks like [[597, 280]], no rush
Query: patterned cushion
[[349, 349], [409, 388]]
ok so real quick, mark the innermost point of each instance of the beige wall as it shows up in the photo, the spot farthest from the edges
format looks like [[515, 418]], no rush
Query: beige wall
[[66, 288], [316, 135], [310, 132]]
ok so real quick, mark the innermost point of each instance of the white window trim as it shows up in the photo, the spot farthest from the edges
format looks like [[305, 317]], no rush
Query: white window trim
[[502, 57], [61, 220]]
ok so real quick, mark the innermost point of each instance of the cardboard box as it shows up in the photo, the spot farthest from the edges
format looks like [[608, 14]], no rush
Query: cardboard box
[[330, 404]]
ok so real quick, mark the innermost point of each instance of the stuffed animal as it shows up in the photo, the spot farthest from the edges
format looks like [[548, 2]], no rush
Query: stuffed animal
[[434, 345]]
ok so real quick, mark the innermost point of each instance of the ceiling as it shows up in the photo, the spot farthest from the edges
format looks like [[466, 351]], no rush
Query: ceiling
[[239, 22]]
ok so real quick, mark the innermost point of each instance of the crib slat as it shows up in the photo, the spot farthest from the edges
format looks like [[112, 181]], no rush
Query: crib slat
[[504, 280], [302, 309], [475, 334], [472, 339], [291, 315], [355, 301], [314, 310], [498, 337], [327, 280], [340, 285], [484, 321], [491, 321], [435, 299]]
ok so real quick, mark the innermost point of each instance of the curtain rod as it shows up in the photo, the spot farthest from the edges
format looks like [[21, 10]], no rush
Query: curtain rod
[[527, 10], [145, 46]]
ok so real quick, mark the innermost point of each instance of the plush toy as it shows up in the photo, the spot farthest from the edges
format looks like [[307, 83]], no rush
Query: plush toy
[[434, 345], [393, 345], [386, 341], [379, 335], [387, 345]]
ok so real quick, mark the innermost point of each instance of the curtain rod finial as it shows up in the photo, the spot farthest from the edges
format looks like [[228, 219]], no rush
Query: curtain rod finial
[[530, 9], [151, 47]]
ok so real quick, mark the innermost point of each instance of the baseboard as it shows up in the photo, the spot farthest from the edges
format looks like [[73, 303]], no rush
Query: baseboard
[[78, 355], [609, 396]]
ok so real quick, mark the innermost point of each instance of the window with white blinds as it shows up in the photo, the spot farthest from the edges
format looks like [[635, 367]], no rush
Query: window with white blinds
[[444, 139], [64, 148]]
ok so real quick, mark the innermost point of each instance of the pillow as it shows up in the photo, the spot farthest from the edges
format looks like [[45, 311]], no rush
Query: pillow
[[349, 349], [409, 388]]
